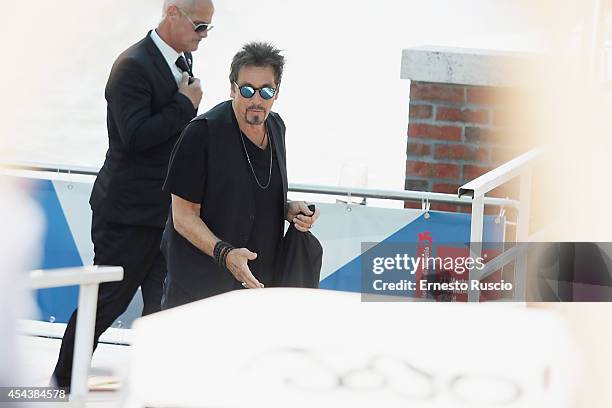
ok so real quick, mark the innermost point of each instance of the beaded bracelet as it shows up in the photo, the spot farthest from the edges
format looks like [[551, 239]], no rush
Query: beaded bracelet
[[217, 250], [221, 251], [224, 253]]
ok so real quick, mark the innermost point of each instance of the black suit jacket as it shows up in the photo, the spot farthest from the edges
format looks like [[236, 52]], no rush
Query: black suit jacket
[[145, 116]]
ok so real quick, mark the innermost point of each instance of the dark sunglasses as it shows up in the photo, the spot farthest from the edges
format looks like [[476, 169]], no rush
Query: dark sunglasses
[[198, 28], [247, 91]]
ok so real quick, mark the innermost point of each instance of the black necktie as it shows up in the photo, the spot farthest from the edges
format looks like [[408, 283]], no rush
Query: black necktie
[[181, 62]]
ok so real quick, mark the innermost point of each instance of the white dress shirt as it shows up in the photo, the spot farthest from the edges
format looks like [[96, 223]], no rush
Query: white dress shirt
[[170, 55]]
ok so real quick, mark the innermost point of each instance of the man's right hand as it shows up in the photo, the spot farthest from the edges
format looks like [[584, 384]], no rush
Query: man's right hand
[[191, 90], [237, 263]]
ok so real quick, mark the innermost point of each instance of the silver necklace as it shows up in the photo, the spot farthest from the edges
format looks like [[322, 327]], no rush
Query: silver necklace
[[249, 158]]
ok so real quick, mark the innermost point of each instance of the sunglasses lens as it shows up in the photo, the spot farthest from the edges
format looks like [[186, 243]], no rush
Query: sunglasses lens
[[247, 91], [267, 93], [200, 28]]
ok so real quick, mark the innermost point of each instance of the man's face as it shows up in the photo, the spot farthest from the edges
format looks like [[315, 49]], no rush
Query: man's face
[[185, 38], [253, 110]]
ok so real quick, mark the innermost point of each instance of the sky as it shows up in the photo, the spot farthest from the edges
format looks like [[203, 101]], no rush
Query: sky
[[342, 98]]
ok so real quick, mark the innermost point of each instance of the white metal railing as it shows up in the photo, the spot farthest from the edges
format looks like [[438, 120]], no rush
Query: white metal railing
[[88, 278], [293, 187], [52, 167], [476, 189], [397, 195]]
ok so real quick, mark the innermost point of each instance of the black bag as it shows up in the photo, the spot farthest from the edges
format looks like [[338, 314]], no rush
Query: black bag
[[299, 260]]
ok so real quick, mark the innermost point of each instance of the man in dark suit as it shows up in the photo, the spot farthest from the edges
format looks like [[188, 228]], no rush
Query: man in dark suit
[[151, 96]]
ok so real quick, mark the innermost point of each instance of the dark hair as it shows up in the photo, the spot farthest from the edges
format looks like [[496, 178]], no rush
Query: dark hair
[[259, 54]]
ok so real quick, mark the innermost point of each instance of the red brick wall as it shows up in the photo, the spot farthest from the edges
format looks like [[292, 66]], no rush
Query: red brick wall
[[455, 134]]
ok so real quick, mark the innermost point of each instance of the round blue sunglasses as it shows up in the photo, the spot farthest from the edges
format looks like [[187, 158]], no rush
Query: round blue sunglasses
[[247, 91]]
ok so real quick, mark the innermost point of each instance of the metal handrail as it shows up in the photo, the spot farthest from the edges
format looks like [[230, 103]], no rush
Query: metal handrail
[[83, 275], [499, 175], [297, 187], [51, 167], [397, 195]]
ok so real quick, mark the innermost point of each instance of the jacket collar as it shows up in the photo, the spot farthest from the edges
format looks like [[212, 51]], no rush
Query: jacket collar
[[169, 53], [160, 62]]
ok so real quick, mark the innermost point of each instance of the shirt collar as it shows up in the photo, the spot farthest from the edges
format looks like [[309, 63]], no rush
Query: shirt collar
[[169, 53]]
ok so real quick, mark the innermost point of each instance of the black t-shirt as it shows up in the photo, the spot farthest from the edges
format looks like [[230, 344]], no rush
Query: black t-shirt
[[268, 211], [188, 173]]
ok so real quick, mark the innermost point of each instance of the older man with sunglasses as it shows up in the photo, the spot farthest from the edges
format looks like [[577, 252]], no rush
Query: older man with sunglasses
[[228, 181], [151, 95]]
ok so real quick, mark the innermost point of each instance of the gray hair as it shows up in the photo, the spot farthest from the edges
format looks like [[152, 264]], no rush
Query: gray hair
[[258, 54], [185, 5]]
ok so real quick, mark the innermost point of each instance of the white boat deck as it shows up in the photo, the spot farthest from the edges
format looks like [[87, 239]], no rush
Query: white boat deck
[[110, 362]]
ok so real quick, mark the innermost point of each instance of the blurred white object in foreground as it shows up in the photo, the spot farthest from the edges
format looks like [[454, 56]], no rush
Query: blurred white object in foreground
[[20, 249], [305, 348]]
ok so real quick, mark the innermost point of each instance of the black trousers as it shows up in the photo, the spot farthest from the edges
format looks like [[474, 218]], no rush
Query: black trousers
[[136, 249]]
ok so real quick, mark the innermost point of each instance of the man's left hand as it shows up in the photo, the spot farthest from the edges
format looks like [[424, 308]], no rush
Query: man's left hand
[[299, 214]]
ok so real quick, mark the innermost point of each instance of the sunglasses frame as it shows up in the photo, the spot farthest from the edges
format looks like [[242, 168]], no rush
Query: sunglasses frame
[[255, 90], [198, 28]]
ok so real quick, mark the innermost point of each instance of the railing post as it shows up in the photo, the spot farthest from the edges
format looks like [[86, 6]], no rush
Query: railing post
[[477, 224], [522, 234], [83, 343]]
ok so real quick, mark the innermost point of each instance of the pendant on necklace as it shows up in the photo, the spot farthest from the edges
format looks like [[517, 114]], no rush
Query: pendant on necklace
[[263, 139]]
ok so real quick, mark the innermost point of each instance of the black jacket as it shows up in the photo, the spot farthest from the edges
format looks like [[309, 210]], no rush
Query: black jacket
[[299, 261], [145, 116]]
